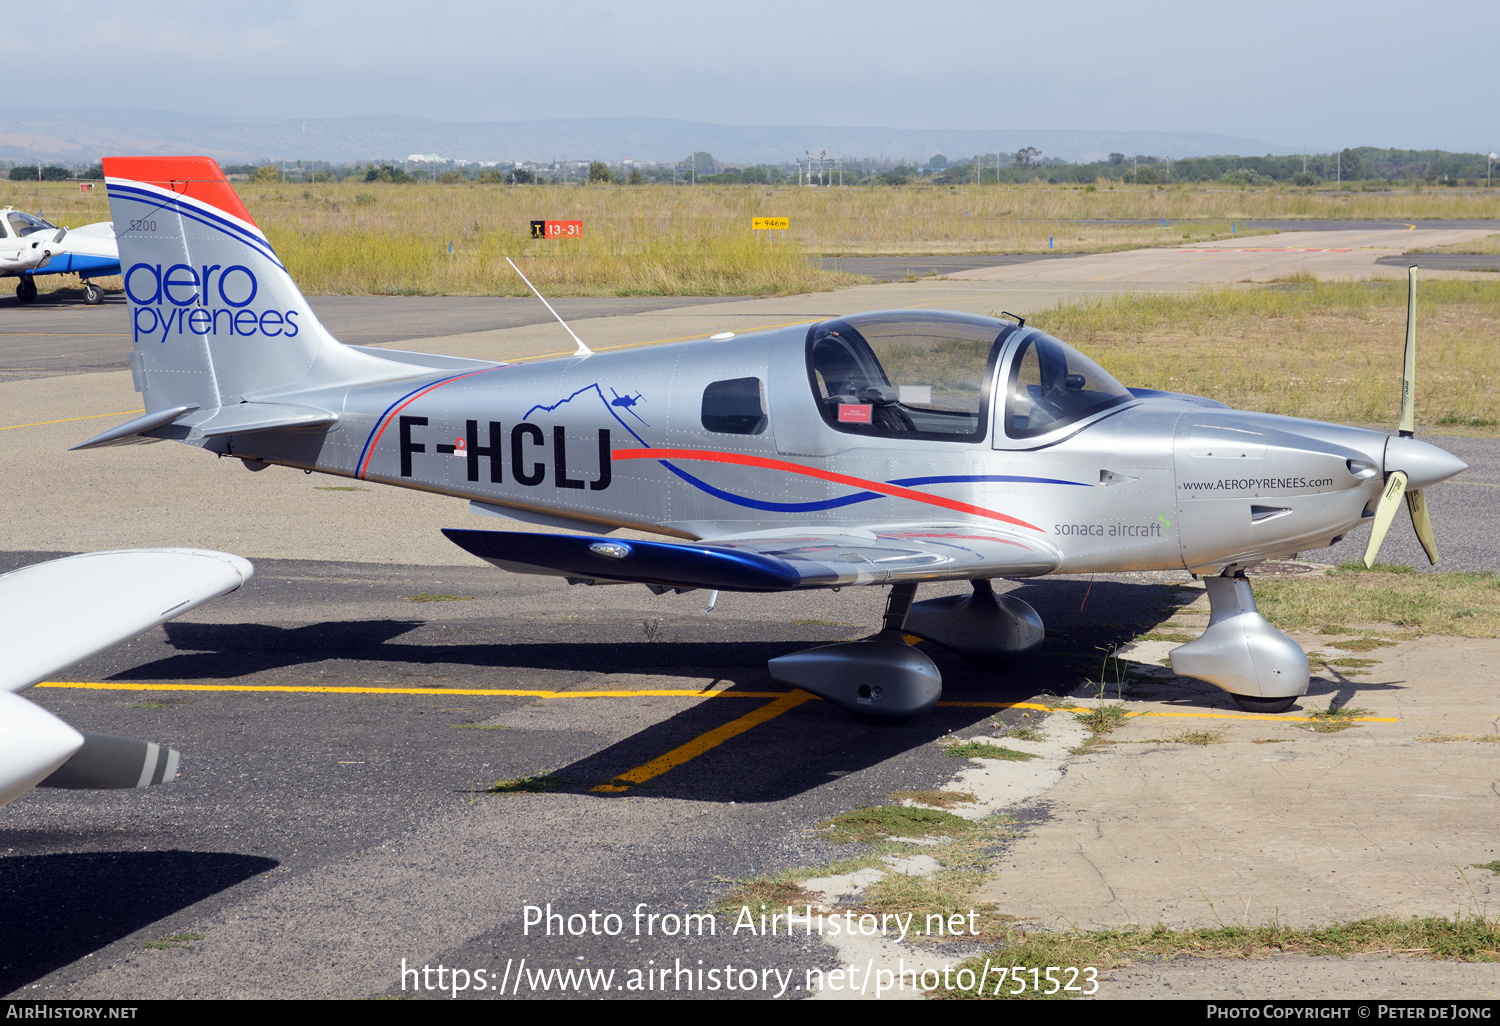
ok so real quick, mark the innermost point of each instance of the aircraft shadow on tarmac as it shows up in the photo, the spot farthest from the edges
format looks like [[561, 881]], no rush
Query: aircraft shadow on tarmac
[[56, 909], [788, 754]]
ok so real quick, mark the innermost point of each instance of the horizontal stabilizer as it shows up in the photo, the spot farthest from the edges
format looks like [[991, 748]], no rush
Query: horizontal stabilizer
[[426, 361], [110, 761], [245, 418], [131, 432], [639, 562]]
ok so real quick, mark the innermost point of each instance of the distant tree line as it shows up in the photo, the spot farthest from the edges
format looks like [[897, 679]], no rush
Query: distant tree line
[[1028, 164]]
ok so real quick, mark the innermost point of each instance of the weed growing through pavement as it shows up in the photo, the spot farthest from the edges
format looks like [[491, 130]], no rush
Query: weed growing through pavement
[[541, 784], [985, 750]]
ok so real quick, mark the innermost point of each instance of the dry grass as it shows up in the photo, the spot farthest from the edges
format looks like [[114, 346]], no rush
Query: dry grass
[[1325, 350], [377, 238], [1489, 245], [1465, 605]]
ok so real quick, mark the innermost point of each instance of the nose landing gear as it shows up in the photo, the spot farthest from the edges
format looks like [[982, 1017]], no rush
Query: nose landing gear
[[26, 289], [1262, 669]]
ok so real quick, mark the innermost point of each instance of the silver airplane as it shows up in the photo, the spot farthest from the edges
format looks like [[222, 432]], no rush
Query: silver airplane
[[889, 448]]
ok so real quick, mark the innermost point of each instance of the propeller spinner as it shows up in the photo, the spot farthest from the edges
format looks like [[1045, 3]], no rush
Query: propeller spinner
[[1410, 465]]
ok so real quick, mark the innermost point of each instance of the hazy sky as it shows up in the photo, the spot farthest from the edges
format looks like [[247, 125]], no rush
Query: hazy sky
[[1293, 74]]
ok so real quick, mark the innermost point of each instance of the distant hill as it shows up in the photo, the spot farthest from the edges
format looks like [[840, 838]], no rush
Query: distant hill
[[78, 136]]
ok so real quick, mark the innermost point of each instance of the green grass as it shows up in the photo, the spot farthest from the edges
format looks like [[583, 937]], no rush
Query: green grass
[[542, 784], [937, 799], [177, 940], [1464, 938], [1493, 867], [985, 750], [1198, 737], [147, 705], [428, 596], [773, 891], [874, 823], [1102, 720], [1331, 721]]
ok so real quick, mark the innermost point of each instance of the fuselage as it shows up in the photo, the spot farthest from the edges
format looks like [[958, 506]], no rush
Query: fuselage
[[726, 438]]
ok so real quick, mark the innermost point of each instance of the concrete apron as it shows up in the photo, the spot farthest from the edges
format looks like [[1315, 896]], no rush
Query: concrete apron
[[1302, 828]]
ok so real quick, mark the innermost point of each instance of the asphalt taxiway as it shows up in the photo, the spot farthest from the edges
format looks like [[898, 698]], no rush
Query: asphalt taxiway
[[343, 717]]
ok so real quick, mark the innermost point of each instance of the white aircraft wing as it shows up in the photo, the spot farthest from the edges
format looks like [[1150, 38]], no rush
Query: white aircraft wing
[[773, 561], [55, 614]]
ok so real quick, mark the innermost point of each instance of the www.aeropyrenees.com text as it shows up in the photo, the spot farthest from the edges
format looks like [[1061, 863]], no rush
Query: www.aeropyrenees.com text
[[1250, 484]]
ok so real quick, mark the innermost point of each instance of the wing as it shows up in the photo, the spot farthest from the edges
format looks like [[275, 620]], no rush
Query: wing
[[780, 561], [55, 614]]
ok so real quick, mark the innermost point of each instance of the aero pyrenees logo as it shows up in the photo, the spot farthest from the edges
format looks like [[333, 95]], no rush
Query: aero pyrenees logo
[[219, 298]]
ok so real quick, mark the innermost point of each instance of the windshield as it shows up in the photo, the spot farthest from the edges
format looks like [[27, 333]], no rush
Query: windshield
[[1053, 384], [24, 224], [908, 374]]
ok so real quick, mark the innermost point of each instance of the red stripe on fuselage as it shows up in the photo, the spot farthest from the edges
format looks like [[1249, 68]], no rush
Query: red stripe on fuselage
[[895, 491], [374, 442]]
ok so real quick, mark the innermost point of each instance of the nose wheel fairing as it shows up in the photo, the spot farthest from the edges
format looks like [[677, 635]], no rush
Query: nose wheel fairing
[[1262, 668]]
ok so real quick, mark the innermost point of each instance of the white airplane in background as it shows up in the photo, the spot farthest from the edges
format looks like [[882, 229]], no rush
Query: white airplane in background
[[55, 614], [30, 246]]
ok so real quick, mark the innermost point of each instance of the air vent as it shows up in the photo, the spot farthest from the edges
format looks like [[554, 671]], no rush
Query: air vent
[[1260, 514]]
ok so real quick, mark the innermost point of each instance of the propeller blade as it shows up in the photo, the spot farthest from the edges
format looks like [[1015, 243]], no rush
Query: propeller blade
[[1390, 501], [1408, 426], [1417, 506]]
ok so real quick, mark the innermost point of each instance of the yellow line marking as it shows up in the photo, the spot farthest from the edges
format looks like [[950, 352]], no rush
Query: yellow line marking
[[1273, 717], [65, 420], [648, 693], [336, 690], [696, 747]]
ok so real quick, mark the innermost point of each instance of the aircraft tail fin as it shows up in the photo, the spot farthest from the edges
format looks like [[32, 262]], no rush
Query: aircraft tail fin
[[215, 317]]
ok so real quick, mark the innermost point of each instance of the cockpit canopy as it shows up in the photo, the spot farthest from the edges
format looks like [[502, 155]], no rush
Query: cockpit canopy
[[928, 375], [1051, 384], [23, 224]]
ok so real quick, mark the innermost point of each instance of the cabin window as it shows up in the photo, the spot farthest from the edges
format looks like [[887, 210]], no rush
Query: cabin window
[[735, 407], [23, 224], [906, 374]]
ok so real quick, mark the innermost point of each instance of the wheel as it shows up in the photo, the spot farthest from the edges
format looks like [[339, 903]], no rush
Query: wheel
[[1250, 703], [93, 295], [26, 290]]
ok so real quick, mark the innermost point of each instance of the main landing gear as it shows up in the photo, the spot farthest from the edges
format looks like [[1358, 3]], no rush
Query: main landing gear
[[884, 676], [1262, 669], [25, 289]]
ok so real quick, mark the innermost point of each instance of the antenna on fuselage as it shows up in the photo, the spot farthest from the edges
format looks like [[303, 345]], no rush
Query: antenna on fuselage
[[582, 349]]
